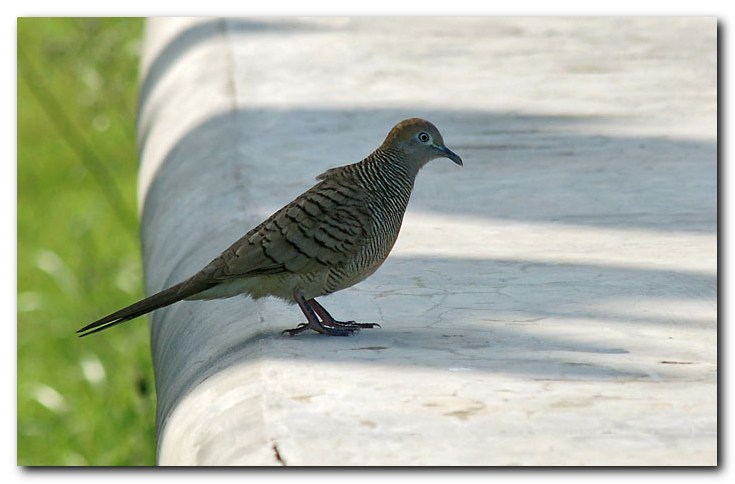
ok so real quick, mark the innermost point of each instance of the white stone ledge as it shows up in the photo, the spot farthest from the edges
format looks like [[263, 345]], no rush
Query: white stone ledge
[[553, 302]]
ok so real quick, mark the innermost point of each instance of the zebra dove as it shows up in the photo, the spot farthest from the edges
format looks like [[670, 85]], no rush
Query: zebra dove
[[331, 237]]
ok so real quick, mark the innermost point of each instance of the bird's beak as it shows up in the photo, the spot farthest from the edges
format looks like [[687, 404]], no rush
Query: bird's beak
[[446, 152]]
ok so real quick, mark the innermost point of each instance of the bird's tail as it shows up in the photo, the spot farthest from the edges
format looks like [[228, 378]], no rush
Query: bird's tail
[[164, 298]]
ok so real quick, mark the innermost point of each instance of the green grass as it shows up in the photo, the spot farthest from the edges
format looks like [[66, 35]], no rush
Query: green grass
[[83, 401]]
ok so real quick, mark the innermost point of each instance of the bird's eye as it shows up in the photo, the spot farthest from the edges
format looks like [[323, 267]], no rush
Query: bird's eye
[[424, 137]]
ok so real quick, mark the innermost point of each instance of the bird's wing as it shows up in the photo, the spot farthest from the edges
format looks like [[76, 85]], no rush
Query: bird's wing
[[322, 228]]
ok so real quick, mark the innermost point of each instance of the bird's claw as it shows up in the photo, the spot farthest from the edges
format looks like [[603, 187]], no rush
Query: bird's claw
[[352, 324], [321, 328], [331, 328]]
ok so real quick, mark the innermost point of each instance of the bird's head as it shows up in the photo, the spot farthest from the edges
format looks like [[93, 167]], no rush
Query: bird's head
[[419, 141]]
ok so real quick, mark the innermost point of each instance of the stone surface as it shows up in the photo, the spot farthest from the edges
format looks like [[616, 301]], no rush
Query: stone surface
[[554, 302]]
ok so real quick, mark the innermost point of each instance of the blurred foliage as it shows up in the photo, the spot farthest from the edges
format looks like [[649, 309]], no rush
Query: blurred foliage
[[83, 401]]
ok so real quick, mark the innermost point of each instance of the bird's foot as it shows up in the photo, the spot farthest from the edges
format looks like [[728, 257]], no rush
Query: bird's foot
[[319, 320], [329, 321], [319, 327]]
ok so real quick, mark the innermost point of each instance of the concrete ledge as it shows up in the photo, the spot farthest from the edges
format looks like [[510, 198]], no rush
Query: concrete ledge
[[553, 302]]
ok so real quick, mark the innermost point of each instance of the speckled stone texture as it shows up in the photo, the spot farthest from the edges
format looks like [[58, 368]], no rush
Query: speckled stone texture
[[554, 302]]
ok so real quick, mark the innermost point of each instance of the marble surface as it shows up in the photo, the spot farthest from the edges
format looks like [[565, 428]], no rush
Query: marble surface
[[553, 302]]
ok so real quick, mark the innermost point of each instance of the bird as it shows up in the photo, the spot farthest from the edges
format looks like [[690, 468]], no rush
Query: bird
[[329, 238]]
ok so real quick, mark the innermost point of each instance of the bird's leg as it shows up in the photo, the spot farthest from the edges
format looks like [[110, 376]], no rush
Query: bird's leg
[[328, 320], [313, 320]]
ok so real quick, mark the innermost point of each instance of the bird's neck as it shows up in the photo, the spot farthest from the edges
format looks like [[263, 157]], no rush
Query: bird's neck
[[393, 164]]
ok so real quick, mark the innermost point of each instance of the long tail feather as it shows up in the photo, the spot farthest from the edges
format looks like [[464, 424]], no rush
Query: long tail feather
[[164, 298]]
